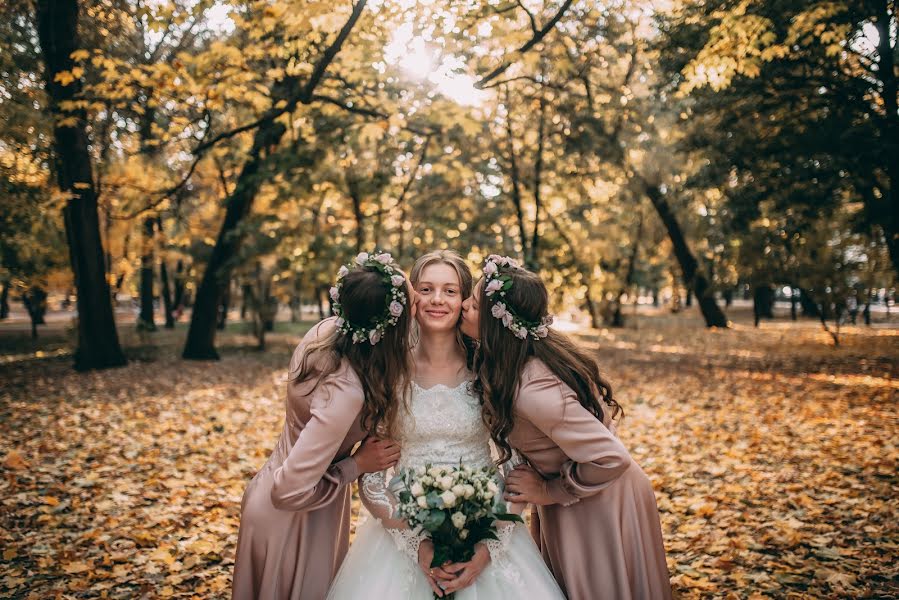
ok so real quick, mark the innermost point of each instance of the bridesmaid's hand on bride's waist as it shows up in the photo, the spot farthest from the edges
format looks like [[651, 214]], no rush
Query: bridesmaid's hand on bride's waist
[[376, 455]]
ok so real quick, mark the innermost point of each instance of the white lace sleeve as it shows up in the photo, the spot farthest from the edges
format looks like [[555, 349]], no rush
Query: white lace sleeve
[[382, 504]]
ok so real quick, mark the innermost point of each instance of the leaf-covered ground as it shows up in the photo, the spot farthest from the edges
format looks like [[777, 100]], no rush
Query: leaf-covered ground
[[773, 454]]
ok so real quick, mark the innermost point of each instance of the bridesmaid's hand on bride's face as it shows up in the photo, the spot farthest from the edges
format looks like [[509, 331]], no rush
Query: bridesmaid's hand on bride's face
[[436, 576], [467, 572], [525, 485], [375, 455]]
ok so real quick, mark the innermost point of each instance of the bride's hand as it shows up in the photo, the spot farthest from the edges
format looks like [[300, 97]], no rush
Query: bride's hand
[[525, 485], [467, 572], [375, 455], [436, 576]]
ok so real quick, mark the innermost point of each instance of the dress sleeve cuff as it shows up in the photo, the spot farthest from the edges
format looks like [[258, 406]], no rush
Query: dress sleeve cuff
[[559, 493], [347, 470]]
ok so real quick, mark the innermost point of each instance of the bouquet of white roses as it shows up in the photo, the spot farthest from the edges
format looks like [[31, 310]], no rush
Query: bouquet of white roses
[[456, 507]]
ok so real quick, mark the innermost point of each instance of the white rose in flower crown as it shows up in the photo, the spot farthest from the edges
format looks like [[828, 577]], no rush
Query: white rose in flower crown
[[458, 520], [374, 336], [396, 309], [343, 271], [397, 280], [542, 331], [522, 332], [498, 310], [495, 285], [384, 258], [339, 322], [507, 319], [422, 501], [417, 489], [446, 482], [490, 269], [334, 292], [449, 499], [361, 258]]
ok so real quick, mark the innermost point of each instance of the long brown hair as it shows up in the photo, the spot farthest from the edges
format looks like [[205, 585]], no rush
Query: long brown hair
[[452, 259], [501, 358], [382, 368]]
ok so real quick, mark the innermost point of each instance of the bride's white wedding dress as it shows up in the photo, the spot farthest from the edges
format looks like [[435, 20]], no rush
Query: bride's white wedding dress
[[442, 426]]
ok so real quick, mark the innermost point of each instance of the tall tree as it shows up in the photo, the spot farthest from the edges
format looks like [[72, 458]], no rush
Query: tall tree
[[98, 344]]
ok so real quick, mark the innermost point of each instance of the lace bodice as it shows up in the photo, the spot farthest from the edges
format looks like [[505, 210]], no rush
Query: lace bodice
[[443, 426]]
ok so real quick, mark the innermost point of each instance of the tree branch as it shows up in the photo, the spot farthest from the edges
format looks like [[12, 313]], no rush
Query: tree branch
[[536, 39], [530, 16]]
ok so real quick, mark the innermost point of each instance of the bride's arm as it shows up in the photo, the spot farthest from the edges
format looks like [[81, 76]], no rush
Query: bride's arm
[[382, 504]]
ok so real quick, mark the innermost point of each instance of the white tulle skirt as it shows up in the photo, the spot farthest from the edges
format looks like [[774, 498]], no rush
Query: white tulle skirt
[[376, 568]]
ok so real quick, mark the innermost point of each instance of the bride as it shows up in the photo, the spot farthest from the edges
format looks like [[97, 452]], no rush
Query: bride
[[441, 425]]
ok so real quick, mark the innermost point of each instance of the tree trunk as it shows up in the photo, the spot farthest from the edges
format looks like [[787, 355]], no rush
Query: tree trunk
[[713, 315], [353, 188], [592, 310], [200, 343], [534, 257], [4, 300], [222, 317], [246, 296], [146, 321], [178, 299], [167, 303], [321, 307], [98, 343], [516, 179], [886, 72]]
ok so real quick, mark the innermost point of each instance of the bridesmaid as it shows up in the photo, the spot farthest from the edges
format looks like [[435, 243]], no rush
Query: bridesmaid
[[347, 377], [596, 523]]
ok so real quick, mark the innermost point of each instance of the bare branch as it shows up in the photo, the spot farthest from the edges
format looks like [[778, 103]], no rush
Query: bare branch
[[536, 39], [530, 16]]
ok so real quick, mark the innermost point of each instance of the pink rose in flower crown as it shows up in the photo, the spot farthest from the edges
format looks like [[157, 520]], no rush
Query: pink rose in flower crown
[[495, 285]]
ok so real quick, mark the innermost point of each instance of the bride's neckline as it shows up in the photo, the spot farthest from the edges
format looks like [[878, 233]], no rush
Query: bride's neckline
[[440, 386]]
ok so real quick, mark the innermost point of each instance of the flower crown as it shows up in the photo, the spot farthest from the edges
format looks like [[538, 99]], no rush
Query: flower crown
[[374, 331], [499, 283]]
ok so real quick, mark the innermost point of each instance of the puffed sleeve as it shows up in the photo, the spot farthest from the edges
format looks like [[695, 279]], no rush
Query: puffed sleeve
[[307, 480], [597, 457]]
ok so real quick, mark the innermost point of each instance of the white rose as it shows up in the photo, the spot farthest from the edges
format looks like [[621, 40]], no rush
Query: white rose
[[507, 319], [361, 258], [384, 258], [492, 487], [343, 271], [542, 331], [458, 490], [498, 310], [446, 482], [449, 499], [335, 293], [417, 489], [488, 495], [434, 472], [469, 490], [397, 280], [522, 332], [490, 269], [374, 336], [339, 322], [463, 534], [422, 501], [495, 285], [458, 520], [396, 309]]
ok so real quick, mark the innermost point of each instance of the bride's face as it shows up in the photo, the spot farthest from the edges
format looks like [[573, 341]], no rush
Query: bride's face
[[439, 298], [471, 318]]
